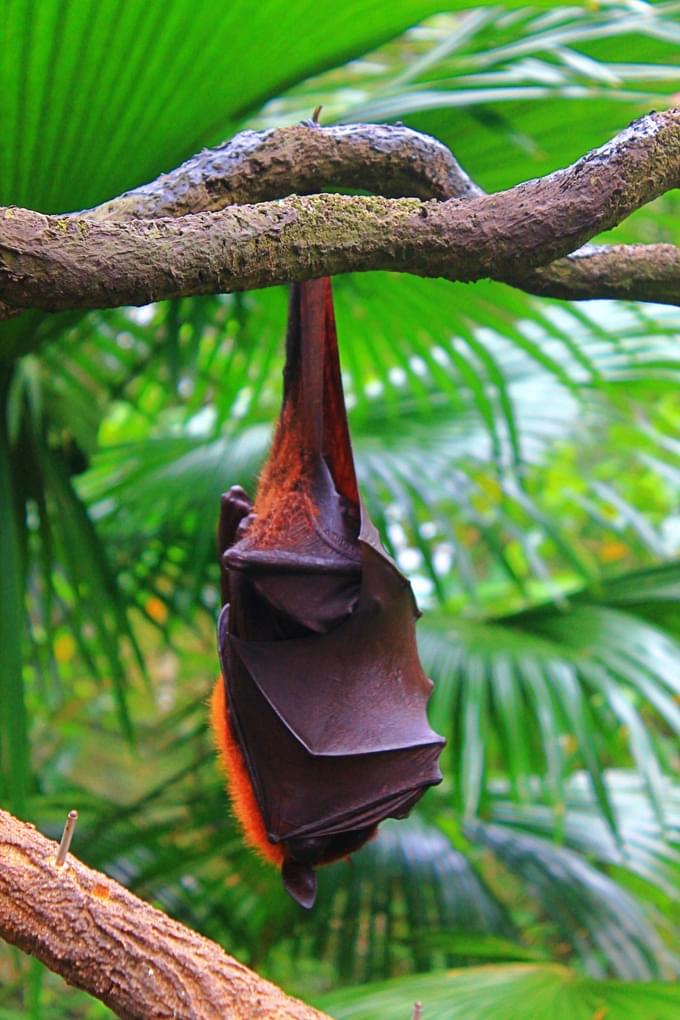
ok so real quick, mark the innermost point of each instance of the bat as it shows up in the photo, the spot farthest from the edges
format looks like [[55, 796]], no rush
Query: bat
[[320, 712]]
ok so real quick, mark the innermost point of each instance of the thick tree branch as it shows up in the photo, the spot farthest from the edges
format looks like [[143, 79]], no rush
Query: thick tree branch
[[87, 261], [54, 262], [393, 161], [101, 938]]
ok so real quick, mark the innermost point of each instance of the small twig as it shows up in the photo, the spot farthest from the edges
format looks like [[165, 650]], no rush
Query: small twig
[[67, 836], [317, 114]]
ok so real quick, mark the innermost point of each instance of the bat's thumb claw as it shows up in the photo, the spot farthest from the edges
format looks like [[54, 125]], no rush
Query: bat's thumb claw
[[300, 882]]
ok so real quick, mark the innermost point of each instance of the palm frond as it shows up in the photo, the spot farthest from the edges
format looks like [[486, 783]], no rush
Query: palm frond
[[409, 899], [592, 678], [510, 992], [491, 405], [606, 926], [645, 849], [14, 748]]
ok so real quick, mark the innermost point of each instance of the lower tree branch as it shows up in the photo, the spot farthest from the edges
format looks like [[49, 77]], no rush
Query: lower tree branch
[[54, 262], [629, 272], [101, 938]]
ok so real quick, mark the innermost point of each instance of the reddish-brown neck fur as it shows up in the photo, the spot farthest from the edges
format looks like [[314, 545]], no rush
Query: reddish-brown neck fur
[[312, 423], [283, 504]]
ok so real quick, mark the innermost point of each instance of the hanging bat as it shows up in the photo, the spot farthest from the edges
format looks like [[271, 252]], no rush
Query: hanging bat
[[320, 713]]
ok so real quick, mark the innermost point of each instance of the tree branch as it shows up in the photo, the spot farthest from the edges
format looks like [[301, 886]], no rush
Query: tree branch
[[87, 260], [393, 161], [259, 166], [101, 938], [56, 262], [630, 272]]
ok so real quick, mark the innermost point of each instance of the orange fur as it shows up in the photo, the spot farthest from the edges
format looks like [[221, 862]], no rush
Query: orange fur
[[239, 787], [283, 504]]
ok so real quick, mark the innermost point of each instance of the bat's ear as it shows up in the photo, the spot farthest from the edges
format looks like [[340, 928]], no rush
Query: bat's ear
[[300, 882]]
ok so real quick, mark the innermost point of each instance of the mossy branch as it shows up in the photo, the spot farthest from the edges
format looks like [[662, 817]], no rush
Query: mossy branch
[[153, 243]]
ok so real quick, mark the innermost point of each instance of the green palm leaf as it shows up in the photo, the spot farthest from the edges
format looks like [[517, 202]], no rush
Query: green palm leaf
[[583, 672], [644, 848], [517, 992], [14, 751], [410, 900], [481, 81], [81, 82], [606, 926], [486, 424]]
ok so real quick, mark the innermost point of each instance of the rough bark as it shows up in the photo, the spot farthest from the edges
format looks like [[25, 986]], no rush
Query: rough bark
[[101, 938], [259, 166], [89, 260], [395, 162], [632, 272]]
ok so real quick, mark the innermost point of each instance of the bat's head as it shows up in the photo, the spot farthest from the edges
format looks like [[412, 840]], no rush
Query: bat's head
[[304, 854]]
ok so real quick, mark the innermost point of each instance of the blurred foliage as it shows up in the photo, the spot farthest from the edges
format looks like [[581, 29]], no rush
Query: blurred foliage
[[519, 992], [520, 457]]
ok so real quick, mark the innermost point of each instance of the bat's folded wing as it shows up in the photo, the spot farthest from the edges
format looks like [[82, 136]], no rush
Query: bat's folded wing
[[356, 690], [334, 726]]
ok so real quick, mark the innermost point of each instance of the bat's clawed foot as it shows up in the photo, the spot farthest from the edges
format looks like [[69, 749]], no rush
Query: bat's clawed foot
[[243, 526], [235, 506]]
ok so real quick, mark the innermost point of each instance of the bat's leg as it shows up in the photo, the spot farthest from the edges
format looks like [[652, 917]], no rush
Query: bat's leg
[[235, 507]]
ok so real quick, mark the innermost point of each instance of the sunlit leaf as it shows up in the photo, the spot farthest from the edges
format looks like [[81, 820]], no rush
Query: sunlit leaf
[[510, 992]]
